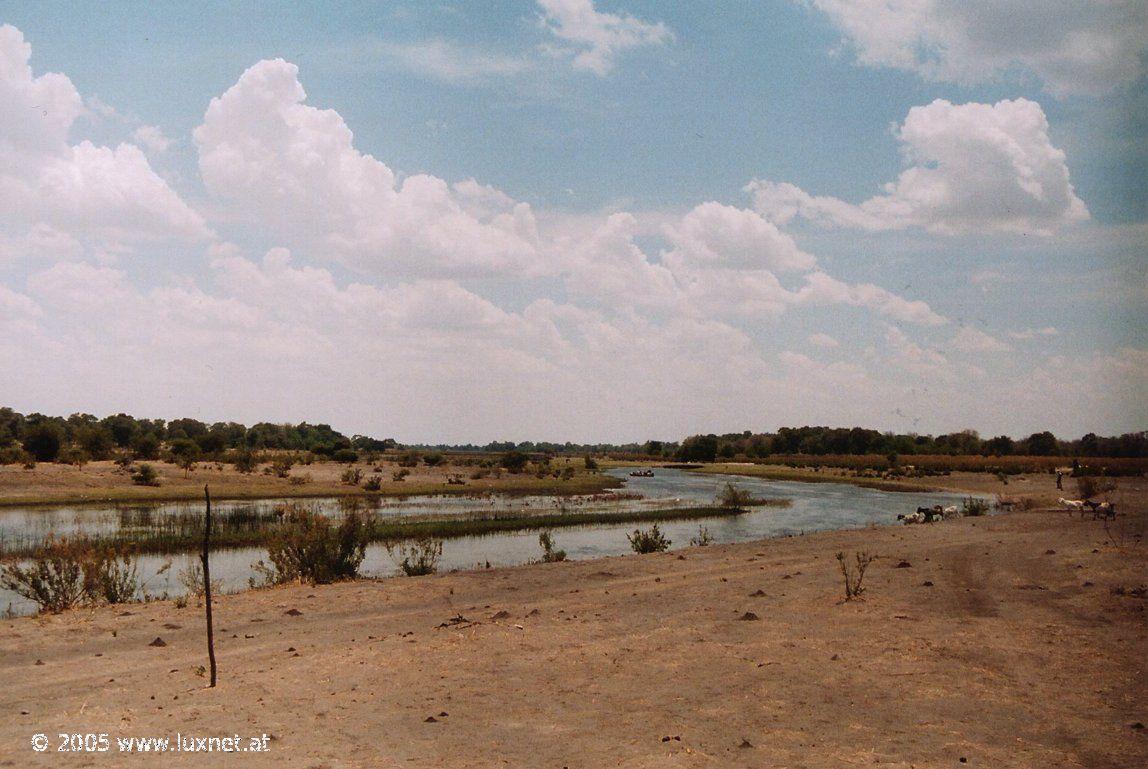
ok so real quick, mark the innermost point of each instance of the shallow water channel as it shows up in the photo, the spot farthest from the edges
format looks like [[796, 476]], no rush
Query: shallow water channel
[[815, 507]]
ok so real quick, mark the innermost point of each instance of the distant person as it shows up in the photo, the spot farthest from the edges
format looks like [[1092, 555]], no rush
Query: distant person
[[1059, 480]]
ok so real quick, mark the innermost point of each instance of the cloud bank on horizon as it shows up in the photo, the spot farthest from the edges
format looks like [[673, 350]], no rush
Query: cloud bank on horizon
[[298, 276]]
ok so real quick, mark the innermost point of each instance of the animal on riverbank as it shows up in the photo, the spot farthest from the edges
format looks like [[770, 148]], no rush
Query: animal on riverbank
[[917, 517], [1107, 509], [1072, 504]]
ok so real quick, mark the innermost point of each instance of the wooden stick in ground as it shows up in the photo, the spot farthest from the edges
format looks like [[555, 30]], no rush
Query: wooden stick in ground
[[207, 583]]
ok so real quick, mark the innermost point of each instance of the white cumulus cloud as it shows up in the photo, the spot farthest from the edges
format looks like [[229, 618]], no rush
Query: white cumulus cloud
[[293, 171], [970, 168]]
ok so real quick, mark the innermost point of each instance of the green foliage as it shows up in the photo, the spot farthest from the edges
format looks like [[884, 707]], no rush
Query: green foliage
[[54, 579], [703, 539], [111, 575], [374, 483], [549, 553], [433, 460], [699, 448], [417, 558], [409, 459], [400, 475], [345, 455], [974, 507], [649, 541], [43, 441], [146, 447], [73, 455], [514, 461], [245, 461], [312, 548], [591, 463], [14, 455], [281, 466], [351, 476], [145, 475], [734, 498]]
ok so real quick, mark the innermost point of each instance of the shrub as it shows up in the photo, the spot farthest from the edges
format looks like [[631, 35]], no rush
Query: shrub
[[111, 575], [650, 541], [347, 456], [514, 461], [192, 580], [417, 558], [549, 554], [245, 462], [591, 463], [73, 455], [352, 476], [400, 475], [703, 539], [1090, 486], [433, 460], [374, 483], [854, 576], [14, 455], [974, 507], [312, 548], [299, 480], [733, 498], [54, 579], [281, 466], [145, 475], [409, 459], [568, 473]]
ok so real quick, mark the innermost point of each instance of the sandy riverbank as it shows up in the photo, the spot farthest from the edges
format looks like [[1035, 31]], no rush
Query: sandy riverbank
[[1019, 653]]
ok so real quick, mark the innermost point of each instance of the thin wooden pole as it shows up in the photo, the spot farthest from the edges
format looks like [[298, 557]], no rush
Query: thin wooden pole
[[207, 582]]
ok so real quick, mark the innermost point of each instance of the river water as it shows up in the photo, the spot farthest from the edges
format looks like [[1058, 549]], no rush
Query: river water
[[815, 507]]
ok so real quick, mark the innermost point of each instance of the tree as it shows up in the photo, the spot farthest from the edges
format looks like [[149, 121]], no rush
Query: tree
[[95, 439], [514, 461], [1041, 444], [43, 440], [122, 427], [185, 452], [699, 448], [1000, 446], [146, 446]]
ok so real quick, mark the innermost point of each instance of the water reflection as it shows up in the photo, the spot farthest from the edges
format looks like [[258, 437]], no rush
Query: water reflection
[[815, 507]]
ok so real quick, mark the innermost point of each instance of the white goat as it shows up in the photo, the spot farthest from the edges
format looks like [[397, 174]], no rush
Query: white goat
[[1072, 504]]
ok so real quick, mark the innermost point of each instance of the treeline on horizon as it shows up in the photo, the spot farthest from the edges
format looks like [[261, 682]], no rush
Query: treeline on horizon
[[84, 436]]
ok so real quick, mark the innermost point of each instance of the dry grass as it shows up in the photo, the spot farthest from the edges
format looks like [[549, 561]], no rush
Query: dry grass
[[105, 482]]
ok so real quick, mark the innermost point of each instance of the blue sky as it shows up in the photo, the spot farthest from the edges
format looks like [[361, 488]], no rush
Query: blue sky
[[906, 216]]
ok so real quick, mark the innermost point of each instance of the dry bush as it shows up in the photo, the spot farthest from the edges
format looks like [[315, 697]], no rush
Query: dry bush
[[417, 558], [53, 579], [650, 541], [854, 575], [111, 575], [549, 553], [312, 548]]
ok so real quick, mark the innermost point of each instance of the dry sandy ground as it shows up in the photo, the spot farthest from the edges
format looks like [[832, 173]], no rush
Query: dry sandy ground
[[1019, 654]]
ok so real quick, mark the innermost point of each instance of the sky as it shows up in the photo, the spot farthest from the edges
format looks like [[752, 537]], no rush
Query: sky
[[607, 220]]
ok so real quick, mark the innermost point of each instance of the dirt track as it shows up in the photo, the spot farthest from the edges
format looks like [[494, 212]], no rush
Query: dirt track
[[1015, 656]]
